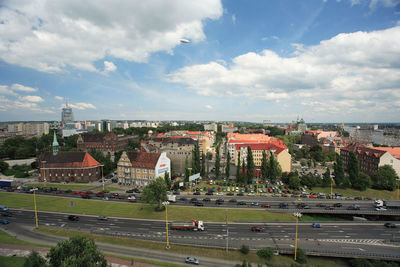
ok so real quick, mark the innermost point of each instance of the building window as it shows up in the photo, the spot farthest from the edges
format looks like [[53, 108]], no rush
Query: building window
[[144, 170], [138, 170]]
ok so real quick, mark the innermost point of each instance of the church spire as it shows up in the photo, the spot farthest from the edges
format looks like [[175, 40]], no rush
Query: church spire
[[55, 144]]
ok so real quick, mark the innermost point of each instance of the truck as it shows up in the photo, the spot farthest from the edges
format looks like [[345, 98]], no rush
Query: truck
[[378, 203], [172, 198], [6, 183], [188, 226], [392, 204]]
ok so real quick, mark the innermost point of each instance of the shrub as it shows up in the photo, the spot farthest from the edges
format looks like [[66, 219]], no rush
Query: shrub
[[301, 256], [265, 253], [244, 249]]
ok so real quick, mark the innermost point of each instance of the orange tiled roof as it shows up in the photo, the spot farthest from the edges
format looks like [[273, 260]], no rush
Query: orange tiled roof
[[394, 151], [143, 159]]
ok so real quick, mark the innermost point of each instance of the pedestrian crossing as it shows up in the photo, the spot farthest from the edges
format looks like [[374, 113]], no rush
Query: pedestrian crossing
[[355, 241]]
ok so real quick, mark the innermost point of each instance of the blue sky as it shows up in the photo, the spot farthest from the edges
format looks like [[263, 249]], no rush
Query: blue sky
[[325, 61]]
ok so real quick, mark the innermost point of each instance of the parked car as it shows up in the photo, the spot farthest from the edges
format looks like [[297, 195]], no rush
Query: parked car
[[206, 199], [4, 221], [133, 200], [241, 203], [183, 198], [390, 225], [255, 203], [196, 193], [257, 229], [73, 218], [230, 194], [265, 206], [192, 260], [316, 225]]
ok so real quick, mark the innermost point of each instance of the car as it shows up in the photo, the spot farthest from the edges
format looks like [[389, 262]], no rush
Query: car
[[183, 198], [337, 205], [73, 218], [176, 193], [209, 193], [255, 203], [330, 208], [241, 203], [196, 193], [192, 260], [132, 200], [129, 191], [381, 209], [354, 207], [102, 218], [3, 208], [240, 194], [230, 194], [316, 225], [257, 229], [390, 225], [219, 201], [199, 204], [206, 199], [220, 194], [265, 206], [358, 198], [105, 198], [312, 196], [76, 192], [6, 214], [4, 221], [250, 194], [121, 197], [193, 200], [283, 205]]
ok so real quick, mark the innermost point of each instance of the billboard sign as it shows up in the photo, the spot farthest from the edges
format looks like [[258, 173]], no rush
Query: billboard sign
[[194, 177]]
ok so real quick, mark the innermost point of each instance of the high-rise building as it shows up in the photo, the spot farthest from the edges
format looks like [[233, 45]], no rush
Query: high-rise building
[[67, 116]]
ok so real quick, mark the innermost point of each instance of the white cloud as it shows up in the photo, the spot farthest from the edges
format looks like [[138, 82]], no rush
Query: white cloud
[[349, 70], [32, 98], [208, 107], [234, 19], [109, 67], [50, 36], [82, 106], [20, 87], [60, 98]]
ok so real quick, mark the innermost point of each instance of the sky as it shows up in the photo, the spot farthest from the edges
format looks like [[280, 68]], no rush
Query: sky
[[321, 60]]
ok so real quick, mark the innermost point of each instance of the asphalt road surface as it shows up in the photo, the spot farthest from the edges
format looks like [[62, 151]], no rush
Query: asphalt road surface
[[342, 238]]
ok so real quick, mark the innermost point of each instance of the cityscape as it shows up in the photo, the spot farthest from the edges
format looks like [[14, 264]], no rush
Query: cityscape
[[211, 133]]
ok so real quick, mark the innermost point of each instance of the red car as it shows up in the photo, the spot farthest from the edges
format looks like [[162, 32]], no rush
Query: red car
[[313, 196], [75, 192], [132, 200], [121, 197], [284, 195], [100, 193], [265, 206], [257, 229], [330, 208], [89, 192], [83, 194]]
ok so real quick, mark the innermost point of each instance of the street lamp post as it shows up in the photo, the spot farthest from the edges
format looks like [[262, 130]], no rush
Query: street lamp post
[[102, 176], [34, 201], [227, 231], [166, 224], [297, 215]]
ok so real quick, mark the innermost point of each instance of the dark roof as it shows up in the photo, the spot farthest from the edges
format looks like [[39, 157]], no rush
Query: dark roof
[[75, 159], [143, 159], [95, 138], [180, 141]]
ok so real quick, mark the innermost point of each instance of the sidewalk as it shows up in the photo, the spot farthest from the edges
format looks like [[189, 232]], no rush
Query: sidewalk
[[22, 251]]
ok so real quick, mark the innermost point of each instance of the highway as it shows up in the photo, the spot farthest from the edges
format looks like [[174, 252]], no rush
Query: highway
[[361, 239]]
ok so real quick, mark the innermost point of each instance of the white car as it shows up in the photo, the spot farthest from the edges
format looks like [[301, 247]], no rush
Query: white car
[[220, 194], [380, 209]]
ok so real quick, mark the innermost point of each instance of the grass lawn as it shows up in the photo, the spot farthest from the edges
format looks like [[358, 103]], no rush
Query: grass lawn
[[131, 210], [371, 193], [72, 186], [11, 262], [232, 255], [8, 239]]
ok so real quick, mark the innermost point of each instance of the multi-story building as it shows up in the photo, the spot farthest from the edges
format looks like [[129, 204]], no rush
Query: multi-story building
[[67, 116], [211, 127], [136, 168], [177, 150], [105, 143], [65, 166], [29, 129], [281, 154], [371, 158], [312, 137]]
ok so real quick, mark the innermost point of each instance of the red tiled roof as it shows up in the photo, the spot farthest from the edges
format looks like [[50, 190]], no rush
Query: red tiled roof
[[262, 146], [394, 151], [360, 149], [143, 159]]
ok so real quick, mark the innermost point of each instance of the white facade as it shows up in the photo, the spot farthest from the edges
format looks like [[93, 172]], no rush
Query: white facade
[[163, 165], [388, 159]]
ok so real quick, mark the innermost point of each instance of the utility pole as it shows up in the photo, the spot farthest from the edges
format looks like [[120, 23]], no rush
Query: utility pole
[[227, 231], [34, 200], [166, 223], [297, 215]]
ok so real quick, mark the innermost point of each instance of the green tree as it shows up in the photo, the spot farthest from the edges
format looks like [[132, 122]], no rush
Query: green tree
[[203, 166], [76, 251], [186, 170], [274, 168], [228, 165], [35, 260], [338, 171], [238, 168], [326, 180], [353, 169], [196, 159], [294, 181], [244, 249], [265, 253], [3, 166], [167, 180], [301, 256], [385, 178], [363, 182], [217, 163], [264, 166], [250, 166], [155, 192], [308, 180], [243, 174]]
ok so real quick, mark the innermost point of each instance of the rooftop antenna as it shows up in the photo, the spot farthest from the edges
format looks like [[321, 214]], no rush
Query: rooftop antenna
[[66, 102]]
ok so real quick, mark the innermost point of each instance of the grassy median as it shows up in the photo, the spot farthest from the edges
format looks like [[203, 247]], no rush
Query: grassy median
[[133, 210]]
